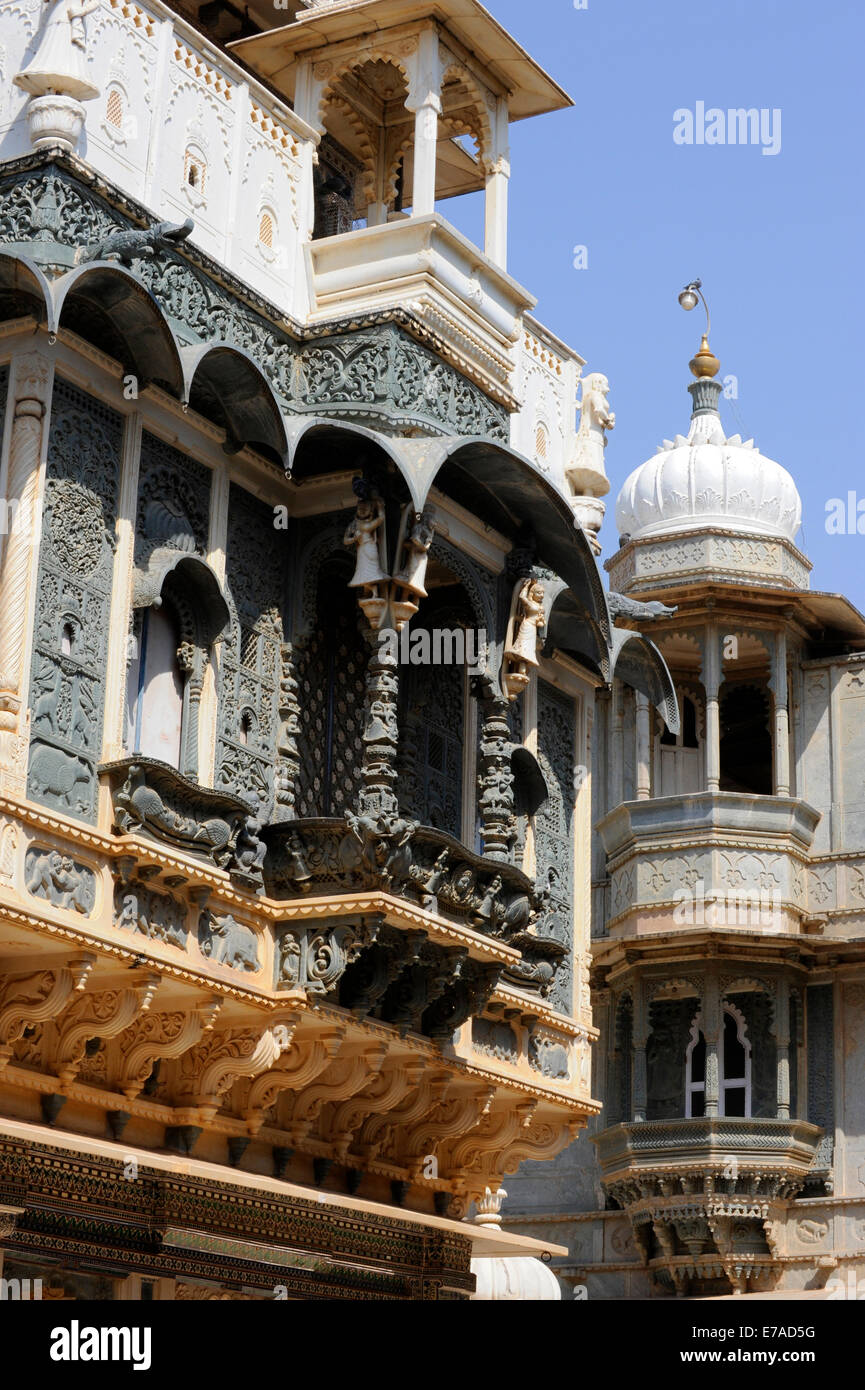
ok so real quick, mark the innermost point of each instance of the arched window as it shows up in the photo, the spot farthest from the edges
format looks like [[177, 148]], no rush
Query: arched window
[[195, 173], [734, 1065], [175, 624], [114, 108], [266, 229], [542, 442], [155, 692]]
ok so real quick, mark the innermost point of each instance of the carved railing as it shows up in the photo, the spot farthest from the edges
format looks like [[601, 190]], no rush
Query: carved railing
[[152, 799], [740, 1146], [428, 868]]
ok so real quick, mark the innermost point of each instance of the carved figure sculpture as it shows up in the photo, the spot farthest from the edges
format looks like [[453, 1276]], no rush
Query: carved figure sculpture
[[521, 649], [126, 246], [59, 65], [410, 578], [586, 473], [364, 535], [64, 883], [59, 775], [229, 942]]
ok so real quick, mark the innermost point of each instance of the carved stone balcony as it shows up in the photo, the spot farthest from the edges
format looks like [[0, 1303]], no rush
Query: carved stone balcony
[[470, 307], [660, 1152], [708, 1197], [710, 859], [318, 858]]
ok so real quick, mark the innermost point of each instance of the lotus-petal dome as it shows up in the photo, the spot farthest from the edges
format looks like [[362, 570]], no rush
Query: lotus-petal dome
[[707, 480], [515, 1279]]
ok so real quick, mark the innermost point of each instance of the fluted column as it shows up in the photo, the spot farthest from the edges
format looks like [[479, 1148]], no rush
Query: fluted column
[[712, 684], [30, 394], [644, 743]]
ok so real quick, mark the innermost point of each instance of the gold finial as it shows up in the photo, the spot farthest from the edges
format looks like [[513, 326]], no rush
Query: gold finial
[[705, 364]]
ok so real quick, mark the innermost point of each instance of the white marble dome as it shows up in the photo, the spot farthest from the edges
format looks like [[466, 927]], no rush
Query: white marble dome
[[707, 480], [515, 1279]]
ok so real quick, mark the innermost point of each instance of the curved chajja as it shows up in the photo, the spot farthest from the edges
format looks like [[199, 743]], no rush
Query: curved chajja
[[23, 281], [233, 388], [494, 481], [104, 294], [637, 662]]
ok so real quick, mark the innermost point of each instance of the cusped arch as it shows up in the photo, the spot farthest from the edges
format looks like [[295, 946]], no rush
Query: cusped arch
[[195, 592], [108, 306], [481, 128], [374, 54], [224, 383]]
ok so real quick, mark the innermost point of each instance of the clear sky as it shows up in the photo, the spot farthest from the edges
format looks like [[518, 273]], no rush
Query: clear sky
[[777, 239]]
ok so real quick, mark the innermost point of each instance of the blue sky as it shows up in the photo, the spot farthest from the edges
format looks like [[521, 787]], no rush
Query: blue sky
[[777, 240]]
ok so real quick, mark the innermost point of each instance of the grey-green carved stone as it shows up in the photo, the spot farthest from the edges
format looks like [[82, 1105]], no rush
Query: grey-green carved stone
[[70, 650]]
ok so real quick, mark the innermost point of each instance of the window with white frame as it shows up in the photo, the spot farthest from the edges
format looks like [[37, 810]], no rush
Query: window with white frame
[[734, 1064]]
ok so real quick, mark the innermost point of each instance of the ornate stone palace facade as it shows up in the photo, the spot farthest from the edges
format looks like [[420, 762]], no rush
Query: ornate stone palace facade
[[294, 931], [729, 907]]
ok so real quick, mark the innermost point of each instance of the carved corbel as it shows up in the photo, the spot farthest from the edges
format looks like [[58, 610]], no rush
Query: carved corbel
[[295, 1069], [541, 1139], [378, 1132], [35, 998], [451, 1119], [344, 1078], [102, 1015], [210, 1068], [158, 1035], [379, 1097], [482, 1150]]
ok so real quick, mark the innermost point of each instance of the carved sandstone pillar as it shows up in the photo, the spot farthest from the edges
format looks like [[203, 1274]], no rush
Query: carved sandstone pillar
[[498, 173], [288, 753], [381, 732], [495, 778], [30, 393]]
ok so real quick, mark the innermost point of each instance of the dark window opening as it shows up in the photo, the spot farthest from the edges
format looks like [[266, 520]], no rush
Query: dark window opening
[[746, 742]]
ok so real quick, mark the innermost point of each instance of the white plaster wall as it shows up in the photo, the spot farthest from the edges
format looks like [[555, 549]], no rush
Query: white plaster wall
[[180, 95]]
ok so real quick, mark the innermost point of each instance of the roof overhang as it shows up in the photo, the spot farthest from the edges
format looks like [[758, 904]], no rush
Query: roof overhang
[[274, 55]]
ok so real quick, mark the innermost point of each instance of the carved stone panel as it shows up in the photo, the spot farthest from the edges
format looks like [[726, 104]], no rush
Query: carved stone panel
[[228, 942], [554, 828], [249, 679], [820, 1022], [72, 602], [158, 916], [60, 880]]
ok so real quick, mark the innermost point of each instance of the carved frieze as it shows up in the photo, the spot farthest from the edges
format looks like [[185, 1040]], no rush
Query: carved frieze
[[158, 916], [60, 880], [228, 942], [373, 371]]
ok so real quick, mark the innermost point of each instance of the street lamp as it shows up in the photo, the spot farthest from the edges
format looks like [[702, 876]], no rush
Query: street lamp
[[705, 364]]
